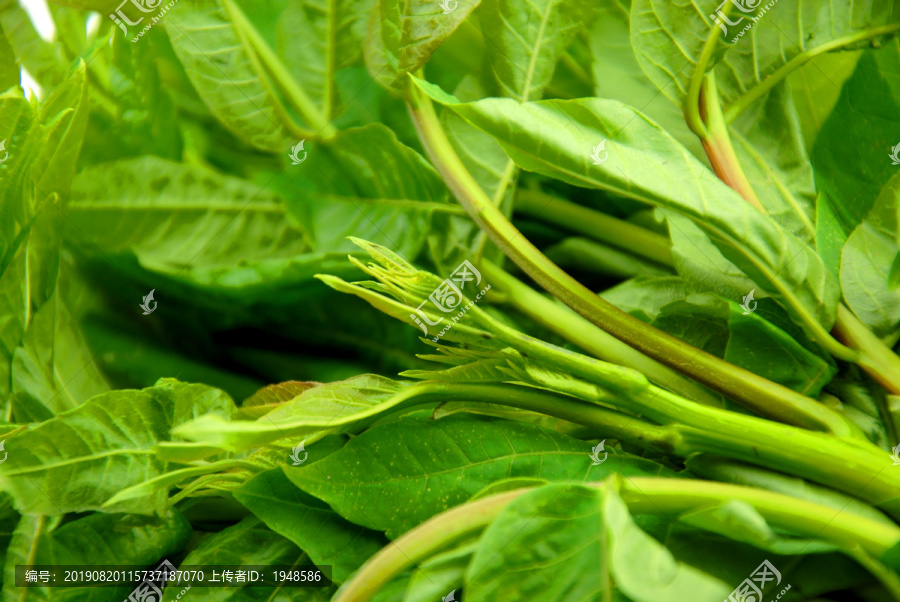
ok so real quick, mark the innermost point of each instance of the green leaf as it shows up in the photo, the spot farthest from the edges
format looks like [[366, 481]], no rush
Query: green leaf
[[575, 541], [186, 221], [830, 237], [668, 39], [248, 543], [852, 175], [396, 475], [618, 75], [331, 407], [9, 71], [402, 36], [97, 539], [434, 578], [213, 45], [327, 538], [79, 459], [316, 39], [769, 148], [40, 58], [555, 138], [745, 340], [867, 260], [527, 40], [814, 95], [367, 183]]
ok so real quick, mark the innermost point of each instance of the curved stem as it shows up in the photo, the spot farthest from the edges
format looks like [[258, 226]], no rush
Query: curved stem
[[798, 61], [691, 106], [599, 226], [748, 389], [642, 495], [718, 146]]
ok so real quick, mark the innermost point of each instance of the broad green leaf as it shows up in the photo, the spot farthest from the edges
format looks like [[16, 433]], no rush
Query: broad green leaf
[[618, 75], [212, 43], [769, 148], [668, 38], [572, 541], [249, 542], [745, 340], [186, 221], [527, 39], [555, 138], [97, 539], [79, 459], [814, 95], [332, 407], [327, 538], [852, 152], [366, 183], [394, 476], [867, 259], [402, 35], [316, 38]]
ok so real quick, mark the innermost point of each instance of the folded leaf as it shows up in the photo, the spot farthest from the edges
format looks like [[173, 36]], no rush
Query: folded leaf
[[556, 138]]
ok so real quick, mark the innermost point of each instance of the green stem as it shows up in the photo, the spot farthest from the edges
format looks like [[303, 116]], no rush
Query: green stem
[[566, 323], [597, 225], [856, 468], [294, 93], [691, 106], [642, 495], [874, 357], [435, 534], [718, 146], [798, 61], [649, 495], [748, 389]]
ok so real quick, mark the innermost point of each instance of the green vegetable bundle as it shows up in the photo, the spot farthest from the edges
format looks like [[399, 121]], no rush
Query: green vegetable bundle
[[464, 299]]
